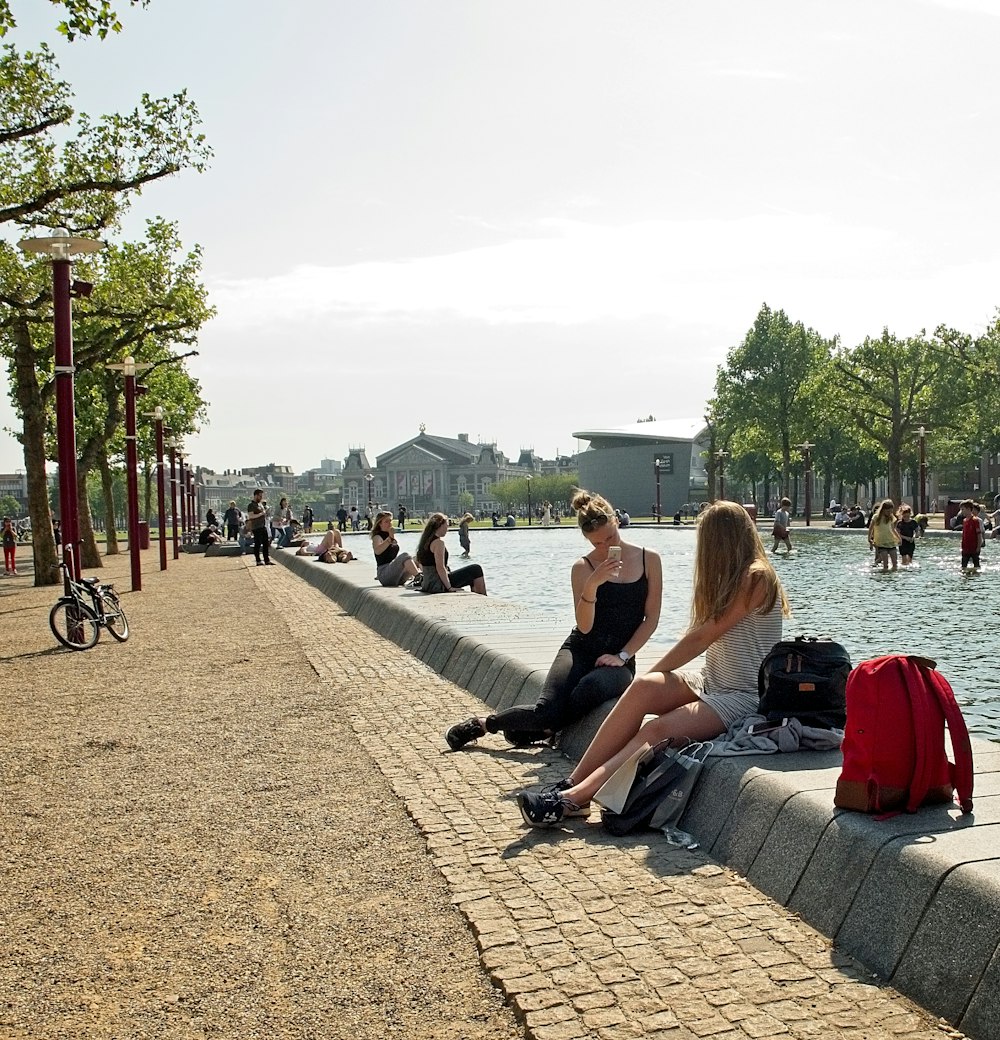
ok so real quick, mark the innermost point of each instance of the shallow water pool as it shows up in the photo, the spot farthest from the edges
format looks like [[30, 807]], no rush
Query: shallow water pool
[[931, 608]]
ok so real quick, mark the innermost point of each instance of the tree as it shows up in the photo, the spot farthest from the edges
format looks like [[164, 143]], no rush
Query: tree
[[9, 506], [83, 177], [83, 17], [889, 386], [761, 384]]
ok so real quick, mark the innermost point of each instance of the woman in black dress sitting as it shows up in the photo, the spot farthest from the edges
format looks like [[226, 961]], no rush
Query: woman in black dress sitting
[[433, 559], [617, 588]]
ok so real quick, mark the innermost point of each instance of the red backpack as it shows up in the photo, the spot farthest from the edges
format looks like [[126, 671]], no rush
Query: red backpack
[[894, 755]]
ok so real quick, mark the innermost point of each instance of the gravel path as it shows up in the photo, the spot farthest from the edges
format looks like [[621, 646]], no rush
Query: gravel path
[[196, 844]]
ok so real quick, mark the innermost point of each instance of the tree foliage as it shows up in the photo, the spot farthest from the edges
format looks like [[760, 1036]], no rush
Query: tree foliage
[[83, 17], [83, 174]]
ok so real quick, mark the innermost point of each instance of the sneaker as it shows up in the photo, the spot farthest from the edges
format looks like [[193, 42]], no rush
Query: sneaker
[[464, 733], [545, 808], [564, 785]]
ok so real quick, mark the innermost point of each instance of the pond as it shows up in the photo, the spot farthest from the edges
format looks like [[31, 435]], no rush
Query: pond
[[931, 608]]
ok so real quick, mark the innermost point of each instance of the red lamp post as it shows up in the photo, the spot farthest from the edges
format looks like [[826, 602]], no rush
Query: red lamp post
[[129, 368], [172, 448], [157, 416], [61, 246]]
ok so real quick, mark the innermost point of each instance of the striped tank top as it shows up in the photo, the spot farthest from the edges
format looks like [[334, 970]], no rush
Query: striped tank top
[[733, 660]]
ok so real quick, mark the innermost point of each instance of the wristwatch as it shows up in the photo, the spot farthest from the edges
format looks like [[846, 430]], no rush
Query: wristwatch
[[623, 656]]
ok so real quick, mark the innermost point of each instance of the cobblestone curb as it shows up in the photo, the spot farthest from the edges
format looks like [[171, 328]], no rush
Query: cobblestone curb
[[587, 936]]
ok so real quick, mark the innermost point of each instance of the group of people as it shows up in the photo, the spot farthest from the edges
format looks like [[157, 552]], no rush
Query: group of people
[[737, 610], [393, 567]]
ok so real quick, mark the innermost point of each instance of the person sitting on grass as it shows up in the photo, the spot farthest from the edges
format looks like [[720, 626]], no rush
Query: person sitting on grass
[[736, 618], [617, 589]]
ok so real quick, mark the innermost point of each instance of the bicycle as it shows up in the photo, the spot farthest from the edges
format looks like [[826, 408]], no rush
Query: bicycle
[[85, 607]]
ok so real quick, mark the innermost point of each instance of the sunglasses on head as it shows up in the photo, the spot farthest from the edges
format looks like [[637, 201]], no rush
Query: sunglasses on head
[[594, 522]]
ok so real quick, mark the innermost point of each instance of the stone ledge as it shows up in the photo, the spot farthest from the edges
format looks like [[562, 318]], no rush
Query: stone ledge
[[915, 898]]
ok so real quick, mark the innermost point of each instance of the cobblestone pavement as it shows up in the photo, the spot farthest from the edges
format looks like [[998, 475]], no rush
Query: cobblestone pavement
[[587, 936]]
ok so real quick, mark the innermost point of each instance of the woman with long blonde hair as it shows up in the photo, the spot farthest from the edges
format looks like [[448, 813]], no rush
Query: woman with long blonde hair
[[736, 617]]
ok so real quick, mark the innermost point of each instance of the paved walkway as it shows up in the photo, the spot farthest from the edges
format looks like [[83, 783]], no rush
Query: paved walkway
[[585, 935]]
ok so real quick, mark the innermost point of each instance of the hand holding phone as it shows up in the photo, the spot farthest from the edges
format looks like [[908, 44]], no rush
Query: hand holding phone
[[615, 553]]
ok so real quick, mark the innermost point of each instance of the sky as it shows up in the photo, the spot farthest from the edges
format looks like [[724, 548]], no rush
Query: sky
[[519, 220]]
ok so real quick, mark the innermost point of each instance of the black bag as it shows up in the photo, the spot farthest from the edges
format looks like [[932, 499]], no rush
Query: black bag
[[805, 678], [656, 775]]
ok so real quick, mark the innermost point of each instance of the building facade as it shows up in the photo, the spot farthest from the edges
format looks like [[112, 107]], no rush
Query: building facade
[[636, 466], [429, 474]]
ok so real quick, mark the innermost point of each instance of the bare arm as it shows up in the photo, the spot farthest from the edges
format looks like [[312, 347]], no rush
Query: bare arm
[[437, 548], [586, 582], [697, 640]]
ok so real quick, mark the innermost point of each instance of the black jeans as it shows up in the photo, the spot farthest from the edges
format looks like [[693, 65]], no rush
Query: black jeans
[[573, 687], [260, 541]]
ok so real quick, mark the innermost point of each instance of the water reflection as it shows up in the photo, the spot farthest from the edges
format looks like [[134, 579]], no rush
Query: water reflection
[[931, 608]]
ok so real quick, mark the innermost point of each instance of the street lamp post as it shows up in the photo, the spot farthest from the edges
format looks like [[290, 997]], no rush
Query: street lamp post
[[805, 447], [656, 471], [60, 246], [182, 493], [529, 499], [194, 512], [369, 479], [172, 446], [157, 416], [722, 455], [129, 369], [922, 434]]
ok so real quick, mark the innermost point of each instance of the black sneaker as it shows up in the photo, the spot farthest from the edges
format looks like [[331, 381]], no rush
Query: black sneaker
[[546, 808], [464, 733], [570, 808]]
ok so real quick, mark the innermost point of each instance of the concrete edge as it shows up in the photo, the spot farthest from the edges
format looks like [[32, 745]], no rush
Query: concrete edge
[[913, 898]]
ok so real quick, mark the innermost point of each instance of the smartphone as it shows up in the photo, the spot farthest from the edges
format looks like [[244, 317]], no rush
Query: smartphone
[[615, 553]]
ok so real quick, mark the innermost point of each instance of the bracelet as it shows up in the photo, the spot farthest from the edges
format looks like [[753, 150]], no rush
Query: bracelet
[[585, 600]]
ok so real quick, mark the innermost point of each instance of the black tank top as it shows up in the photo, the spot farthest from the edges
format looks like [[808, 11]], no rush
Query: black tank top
[[387, 555], [619, 610]]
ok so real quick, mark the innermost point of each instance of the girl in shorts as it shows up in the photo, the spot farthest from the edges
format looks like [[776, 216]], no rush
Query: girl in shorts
[[736, 618]]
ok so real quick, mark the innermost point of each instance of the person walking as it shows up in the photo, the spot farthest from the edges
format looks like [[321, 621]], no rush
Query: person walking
[[231, 518], [463, 535]]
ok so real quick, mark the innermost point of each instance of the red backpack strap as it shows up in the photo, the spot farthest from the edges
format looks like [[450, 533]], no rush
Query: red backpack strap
[[961, 745]]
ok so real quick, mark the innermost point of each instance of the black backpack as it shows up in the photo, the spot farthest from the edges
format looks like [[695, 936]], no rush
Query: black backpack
[[805, 678]]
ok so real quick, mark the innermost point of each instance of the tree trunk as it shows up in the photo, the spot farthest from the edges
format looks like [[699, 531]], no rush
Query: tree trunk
[[31, 405], [108, 484], [89, 554]]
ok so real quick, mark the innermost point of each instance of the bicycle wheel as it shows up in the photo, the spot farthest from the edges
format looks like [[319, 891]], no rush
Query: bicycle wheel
[[74, 624], [115, 620]]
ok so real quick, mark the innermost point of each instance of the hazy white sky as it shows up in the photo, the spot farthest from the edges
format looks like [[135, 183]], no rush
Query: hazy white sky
[[520, 219]]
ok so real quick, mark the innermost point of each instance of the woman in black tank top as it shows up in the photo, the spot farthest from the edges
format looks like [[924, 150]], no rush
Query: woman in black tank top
[[617, 588]]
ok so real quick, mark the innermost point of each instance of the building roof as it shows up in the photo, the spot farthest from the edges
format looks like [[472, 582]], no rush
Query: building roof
[[657, 430]]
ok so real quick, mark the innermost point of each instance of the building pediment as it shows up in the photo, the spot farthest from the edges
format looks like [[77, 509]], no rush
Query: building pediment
[[412, 455]]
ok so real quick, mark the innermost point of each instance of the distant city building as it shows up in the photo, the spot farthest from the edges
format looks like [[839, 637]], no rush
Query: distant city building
[[621, 464], [15, 485], [429, 473]]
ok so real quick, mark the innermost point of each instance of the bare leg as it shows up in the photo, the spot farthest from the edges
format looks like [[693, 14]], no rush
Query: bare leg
[[694, 720], [656, 693], [479, 586]]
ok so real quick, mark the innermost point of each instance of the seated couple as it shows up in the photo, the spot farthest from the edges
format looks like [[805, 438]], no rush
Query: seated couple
[[736, 617], [330, 549]]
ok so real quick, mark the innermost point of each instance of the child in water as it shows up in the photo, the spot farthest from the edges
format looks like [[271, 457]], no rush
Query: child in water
[[883, 536]]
